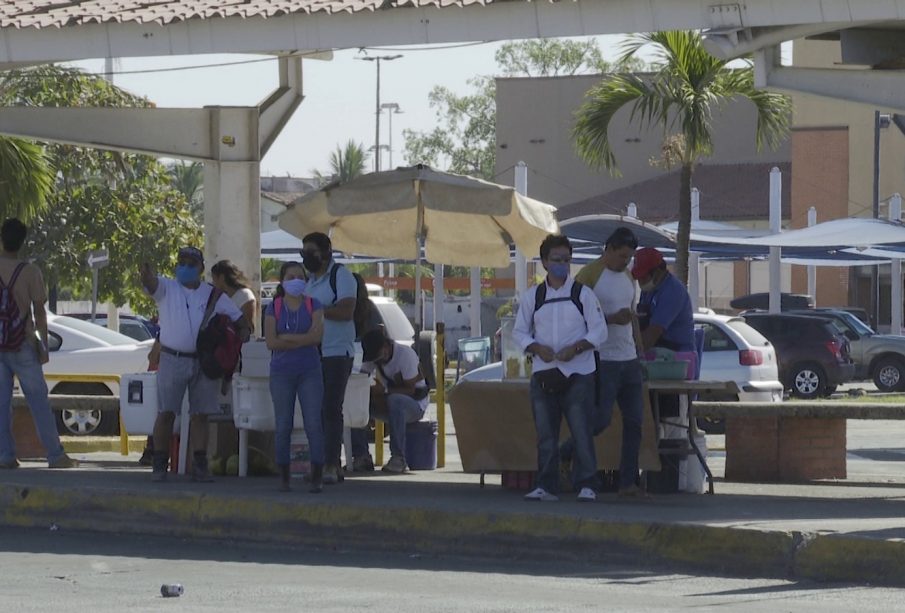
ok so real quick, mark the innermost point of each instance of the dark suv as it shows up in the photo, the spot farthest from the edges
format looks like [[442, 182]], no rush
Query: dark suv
[[813, 357]]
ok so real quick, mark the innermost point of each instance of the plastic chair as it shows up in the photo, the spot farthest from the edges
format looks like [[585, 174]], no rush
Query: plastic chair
[[474, 352]]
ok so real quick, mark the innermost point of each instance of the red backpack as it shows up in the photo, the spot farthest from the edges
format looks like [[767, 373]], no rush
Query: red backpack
[[12, 324], [219, 346]]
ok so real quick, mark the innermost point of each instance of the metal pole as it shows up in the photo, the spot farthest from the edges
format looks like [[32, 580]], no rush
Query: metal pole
[[775, 228], [812, 270], [390, 139], [439, 327], [94, 278], [475, 301], [377, 124], [875, 270], [694, 258], [521, 264], [895, 276]]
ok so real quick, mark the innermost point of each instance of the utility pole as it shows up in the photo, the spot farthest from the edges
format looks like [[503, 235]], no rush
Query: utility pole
[[392, 109], [378, 59]]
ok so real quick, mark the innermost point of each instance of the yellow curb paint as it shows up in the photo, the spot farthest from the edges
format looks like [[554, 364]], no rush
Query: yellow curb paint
[[193, 515]]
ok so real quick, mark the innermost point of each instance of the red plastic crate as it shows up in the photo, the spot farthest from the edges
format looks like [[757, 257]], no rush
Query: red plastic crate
[[518, 479]]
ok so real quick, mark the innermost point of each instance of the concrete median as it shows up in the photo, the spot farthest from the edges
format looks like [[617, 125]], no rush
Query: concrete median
[[513, 529]]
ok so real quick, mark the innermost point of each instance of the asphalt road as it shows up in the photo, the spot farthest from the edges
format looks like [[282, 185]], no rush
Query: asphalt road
[[58, 571]]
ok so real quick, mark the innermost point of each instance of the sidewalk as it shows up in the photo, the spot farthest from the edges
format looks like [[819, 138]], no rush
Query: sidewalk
[[847, 531]]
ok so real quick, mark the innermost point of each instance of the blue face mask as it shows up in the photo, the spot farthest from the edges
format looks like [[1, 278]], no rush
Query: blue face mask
[[295, 287], [559, 270], [187, 275]]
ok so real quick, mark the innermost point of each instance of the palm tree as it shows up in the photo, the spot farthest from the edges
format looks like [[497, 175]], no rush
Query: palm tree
[[346, 163], [188, 178], [688, 86], [26, 178]]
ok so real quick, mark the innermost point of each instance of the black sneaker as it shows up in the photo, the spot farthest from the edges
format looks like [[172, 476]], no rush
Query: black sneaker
[[160, 462], [147, 457], [200, 471], [364, 464]]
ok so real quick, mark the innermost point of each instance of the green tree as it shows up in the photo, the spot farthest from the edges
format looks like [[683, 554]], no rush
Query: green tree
[[464, 139], [550, 57], [270, 269], [682, 96], [122, 201], [26, 178], [346, 163], [463, 142], [188, 179]]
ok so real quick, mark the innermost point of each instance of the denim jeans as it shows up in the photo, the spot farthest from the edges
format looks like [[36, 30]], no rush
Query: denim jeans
[[25, 365], [308, 387], [621, 382], [360, 443], [576, 404], [401, 411], [336, 375]]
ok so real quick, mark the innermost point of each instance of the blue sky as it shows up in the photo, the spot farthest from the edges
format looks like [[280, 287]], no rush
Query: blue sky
[[340, 94]]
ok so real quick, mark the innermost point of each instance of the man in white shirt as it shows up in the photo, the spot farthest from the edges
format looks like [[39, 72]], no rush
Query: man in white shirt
[[619, 375], [400, 387], [560, 323], [182, 303]]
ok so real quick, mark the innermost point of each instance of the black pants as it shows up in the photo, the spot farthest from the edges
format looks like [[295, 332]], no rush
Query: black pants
[[336, 375]]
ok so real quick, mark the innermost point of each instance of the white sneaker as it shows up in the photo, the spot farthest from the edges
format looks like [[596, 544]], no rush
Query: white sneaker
[[541, 495], [587, 495]]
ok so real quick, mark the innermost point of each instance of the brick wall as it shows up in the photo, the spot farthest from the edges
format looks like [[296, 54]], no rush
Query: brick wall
[[785, 449], [820, 178]]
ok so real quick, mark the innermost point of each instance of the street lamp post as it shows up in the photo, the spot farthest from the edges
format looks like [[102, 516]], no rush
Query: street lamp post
[[378, 59], [392, 109]]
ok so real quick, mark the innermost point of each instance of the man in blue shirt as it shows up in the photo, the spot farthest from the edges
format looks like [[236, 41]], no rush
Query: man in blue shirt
[[665, 308], [333, 286]]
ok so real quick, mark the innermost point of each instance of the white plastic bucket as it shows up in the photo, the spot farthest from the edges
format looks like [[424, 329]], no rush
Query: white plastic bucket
[[138, 402], [255, 359], [252, 404], [356, 402]]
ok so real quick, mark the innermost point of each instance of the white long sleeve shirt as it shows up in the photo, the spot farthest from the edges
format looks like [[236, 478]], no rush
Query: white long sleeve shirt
[[560, 324]]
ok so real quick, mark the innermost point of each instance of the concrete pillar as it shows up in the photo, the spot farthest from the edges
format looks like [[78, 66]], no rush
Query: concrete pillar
[[694, 258], [232, 217], [812, 270], [775, 228], [521, 263]]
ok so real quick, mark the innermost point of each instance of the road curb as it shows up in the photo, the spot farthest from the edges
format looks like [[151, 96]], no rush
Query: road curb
[[78, 444], [324, 524]]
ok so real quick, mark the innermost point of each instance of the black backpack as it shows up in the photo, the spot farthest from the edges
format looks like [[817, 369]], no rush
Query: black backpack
[[540, 297]]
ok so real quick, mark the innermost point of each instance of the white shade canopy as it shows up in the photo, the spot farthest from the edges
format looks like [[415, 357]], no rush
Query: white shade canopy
[[462, 221]]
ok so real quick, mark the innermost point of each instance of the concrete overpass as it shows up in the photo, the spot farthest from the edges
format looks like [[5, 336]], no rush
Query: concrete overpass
[[231, 141]]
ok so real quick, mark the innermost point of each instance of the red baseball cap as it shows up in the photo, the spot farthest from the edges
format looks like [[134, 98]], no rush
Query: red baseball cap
[[646, 260]]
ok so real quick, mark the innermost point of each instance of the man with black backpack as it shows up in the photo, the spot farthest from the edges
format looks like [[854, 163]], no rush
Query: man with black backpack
[[187, 306], [333, 285], [22, 351], [560, 323]]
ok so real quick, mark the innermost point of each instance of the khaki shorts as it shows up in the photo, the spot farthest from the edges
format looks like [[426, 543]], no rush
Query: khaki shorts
[[177, 375]]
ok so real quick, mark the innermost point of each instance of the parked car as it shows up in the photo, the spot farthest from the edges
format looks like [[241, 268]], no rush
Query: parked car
[[133, 326], [79, 347], [813, 356], [733, 351], [880, 357]]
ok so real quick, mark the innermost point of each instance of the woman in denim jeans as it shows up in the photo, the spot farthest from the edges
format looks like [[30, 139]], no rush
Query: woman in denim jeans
[[293, 327]]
